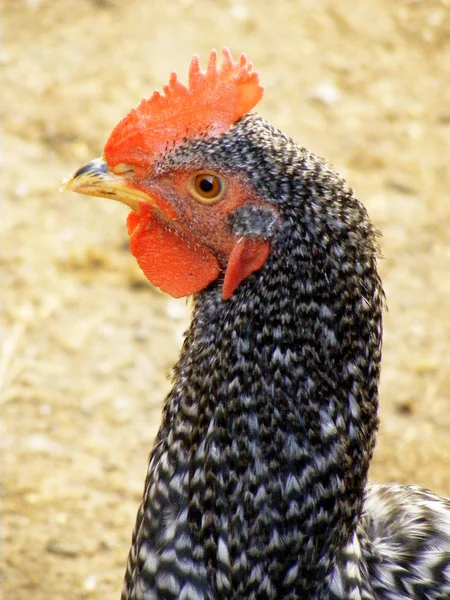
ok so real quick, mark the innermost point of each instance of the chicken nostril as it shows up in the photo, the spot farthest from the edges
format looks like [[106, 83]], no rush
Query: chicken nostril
[[122, 169]]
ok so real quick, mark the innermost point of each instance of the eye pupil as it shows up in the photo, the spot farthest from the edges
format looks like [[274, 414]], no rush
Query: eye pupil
[[206, 184]]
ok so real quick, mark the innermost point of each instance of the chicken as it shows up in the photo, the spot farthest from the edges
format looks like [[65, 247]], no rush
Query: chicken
[[257, 482]]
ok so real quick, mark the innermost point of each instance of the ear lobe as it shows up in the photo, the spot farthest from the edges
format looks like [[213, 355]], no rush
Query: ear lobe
[[246, 257]]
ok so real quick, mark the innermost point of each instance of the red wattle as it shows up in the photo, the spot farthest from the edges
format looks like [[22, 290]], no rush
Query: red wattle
[[246, 257], [167, 260]]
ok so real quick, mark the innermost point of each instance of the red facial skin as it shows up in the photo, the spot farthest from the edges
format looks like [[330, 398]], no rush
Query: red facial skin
[[182, 243]]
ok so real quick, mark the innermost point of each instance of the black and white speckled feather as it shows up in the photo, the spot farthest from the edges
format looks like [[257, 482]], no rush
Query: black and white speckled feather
[[257, 483]]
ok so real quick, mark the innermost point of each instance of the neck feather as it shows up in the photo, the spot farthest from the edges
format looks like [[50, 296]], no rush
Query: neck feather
[[267, 435]]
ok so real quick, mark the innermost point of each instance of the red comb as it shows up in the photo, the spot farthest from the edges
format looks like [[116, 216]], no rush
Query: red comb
[[212, 102]]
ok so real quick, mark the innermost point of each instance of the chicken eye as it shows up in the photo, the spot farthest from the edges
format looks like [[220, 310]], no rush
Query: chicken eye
[[207, 187]]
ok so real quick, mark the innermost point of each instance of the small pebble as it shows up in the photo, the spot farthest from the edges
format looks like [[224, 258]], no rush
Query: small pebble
[[121, 403], [239, 12], [325, 93], [176, 309], [45, 409], [63, 548], [90, 583], [141, 335], [21, 190], [41, 443]]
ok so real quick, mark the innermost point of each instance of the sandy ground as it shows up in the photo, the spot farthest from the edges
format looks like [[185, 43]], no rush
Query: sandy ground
[[87, 342]]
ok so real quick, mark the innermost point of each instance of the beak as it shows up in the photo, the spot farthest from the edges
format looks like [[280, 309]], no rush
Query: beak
[[97, 179]]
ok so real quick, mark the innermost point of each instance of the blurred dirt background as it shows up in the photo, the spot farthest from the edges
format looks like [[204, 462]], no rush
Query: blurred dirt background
[[87, 343]]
